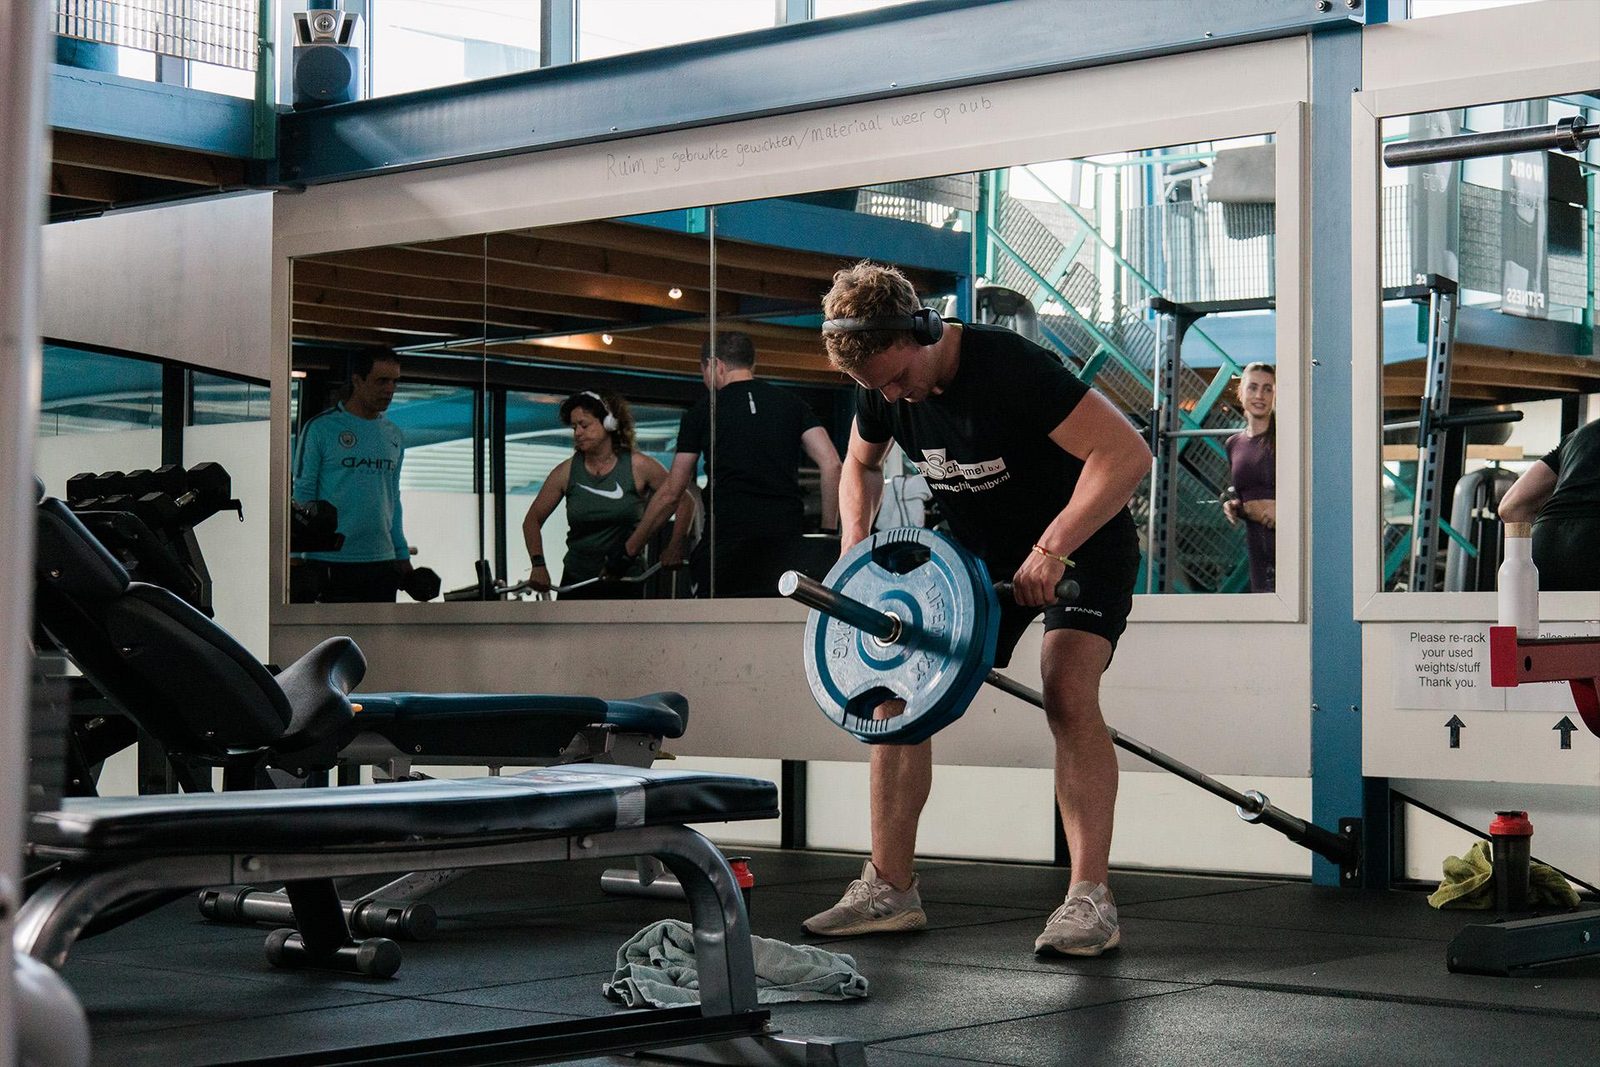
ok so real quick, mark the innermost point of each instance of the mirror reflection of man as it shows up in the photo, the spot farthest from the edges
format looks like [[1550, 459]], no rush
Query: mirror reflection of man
[[349, 455], [757, 505]]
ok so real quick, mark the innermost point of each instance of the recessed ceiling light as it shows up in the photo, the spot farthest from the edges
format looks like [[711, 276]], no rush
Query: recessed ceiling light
[[675, 293], [606, 337]]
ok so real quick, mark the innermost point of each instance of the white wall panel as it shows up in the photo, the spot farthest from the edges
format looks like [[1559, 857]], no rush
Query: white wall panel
[[189, 282]]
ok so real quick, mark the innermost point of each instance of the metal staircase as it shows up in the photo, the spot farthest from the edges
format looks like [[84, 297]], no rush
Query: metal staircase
[[1092, 306]]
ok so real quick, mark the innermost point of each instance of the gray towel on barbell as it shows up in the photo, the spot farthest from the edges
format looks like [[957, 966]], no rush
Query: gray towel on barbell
[[656, 968]]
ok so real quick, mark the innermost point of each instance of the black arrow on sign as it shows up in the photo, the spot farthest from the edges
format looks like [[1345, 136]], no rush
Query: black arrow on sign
[[1566, 726], [1455, 725]]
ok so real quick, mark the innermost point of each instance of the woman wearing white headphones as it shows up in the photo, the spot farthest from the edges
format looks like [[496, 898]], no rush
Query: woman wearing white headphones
[[605, 485]]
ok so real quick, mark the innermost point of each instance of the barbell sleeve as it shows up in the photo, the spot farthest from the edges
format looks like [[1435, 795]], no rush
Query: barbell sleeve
[[813, 594], [1252, 806], [1568, 135]]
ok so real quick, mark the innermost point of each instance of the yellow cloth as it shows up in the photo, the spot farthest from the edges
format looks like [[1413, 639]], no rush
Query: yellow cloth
[[1469, 883]]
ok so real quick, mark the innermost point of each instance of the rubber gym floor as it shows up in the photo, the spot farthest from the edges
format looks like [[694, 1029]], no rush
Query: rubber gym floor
[[1212, 970]]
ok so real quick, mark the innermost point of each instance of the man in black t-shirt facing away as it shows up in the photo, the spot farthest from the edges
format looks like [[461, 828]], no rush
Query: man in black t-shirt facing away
[[1031, 468], [1560, 495], [753, 475]]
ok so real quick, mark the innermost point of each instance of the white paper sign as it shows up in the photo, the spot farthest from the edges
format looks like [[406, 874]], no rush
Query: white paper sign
[[1445, 667]]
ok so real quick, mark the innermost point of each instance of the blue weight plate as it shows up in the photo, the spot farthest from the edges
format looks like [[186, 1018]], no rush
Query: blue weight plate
[[950, 617]]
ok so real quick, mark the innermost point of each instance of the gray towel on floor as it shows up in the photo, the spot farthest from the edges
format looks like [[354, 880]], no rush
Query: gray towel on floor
[[656, 968]]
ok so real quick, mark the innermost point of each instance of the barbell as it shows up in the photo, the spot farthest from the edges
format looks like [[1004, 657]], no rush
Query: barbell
[[911, 614]]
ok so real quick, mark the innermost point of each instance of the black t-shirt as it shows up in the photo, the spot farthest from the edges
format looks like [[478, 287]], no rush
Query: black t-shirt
[[1576, 461], [754, 476], [984, 445]]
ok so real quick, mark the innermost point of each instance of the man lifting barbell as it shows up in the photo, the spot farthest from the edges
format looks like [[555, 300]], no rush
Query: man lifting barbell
[[1034, 471]]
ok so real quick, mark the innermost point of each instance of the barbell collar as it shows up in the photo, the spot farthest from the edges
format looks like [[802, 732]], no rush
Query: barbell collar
[[813, 594]]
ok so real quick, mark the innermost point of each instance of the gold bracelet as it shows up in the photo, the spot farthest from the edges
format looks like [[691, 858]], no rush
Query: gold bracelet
[[1046, 553]]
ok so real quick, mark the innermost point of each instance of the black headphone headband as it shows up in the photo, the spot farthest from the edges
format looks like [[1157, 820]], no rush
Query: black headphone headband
[[924, 325]]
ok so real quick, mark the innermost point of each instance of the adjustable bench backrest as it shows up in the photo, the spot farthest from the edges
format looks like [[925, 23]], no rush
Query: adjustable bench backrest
[[174, 671]]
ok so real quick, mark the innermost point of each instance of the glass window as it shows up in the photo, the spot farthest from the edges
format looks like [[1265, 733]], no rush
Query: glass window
[[827, 8], [216, 399], [437, 493], [615, 27], [419, 44], [1421, 9], [230, 81], [97, 413], [90, 392]]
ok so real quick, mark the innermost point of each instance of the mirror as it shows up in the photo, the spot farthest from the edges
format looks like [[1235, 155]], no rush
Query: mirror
[[1071, 253], [1488, 278], [487, 335]]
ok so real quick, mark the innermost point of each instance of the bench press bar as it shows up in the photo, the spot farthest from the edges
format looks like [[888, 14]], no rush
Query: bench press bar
[[1252, 806]]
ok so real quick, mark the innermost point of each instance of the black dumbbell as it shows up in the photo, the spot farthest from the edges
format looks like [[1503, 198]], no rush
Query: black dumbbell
[[209, 481], [420, 584]]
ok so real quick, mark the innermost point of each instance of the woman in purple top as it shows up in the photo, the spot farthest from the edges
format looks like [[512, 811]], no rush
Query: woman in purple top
[[1252, 455]]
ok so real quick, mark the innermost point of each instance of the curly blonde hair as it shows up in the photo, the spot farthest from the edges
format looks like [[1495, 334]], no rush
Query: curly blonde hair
[[866, 290]]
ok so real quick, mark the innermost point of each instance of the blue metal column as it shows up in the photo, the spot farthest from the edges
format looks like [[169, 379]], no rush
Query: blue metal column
[[558, 33], [1338, 790]]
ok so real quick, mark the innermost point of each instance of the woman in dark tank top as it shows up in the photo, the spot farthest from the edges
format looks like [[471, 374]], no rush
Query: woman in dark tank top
[[605, 485]]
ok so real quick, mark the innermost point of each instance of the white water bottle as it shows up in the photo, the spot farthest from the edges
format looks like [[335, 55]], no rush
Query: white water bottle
[[1519, 581]]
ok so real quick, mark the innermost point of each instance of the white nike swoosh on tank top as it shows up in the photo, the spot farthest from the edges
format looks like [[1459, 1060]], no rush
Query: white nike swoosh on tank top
[[614, 493]]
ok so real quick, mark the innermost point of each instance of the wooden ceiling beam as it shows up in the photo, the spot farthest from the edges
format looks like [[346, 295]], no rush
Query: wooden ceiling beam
[[538, 353], [405, 307], [1408, 388], [353, 279], [331, 316], [147, 161], [79, 183], [1515, 363], [535, 249]]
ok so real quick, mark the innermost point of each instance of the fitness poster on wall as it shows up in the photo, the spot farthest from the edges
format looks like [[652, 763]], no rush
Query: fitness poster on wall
[[1523, 221]]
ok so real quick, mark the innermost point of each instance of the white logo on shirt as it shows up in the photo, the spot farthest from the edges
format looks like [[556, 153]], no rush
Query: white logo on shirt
[[935, 465], [614, 493]]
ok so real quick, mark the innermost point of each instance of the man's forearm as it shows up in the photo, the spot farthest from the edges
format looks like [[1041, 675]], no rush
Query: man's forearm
[[1104, 488], [830, 499], [656, 511], [860, 491], [682, 519]]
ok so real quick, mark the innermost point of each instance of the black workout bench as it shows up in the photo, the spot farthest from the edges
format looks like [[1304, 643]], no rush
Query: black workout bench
[[110, 849]]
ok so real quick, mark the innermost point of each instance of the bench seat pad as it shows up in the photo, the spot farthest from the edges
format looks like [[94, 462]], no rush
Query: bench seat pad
[[661, 714], [546, 802]]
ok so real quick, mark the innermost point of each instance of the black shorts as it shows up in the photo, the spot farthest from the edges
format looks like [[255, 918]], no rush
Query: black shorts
[[1104, 600]]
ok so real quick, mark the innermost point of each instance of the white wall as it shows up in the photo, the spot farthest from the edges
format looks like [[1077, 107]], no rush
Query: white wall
[[189, 282]]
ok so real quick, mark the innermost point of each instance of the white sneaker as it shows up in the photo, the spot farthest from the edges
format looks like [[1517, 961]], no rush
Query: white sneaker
[[870, 906], [1085, 925]]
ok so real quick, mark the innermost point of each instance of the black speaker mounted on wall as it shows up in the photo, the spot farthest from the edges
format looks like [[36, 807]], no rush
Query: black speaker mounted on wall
[[327, 60]]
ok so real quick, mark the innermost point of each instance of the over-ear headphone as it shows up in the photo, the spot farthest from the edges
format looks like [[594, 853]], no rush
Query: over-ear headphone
[[924, 323], [609, 423]]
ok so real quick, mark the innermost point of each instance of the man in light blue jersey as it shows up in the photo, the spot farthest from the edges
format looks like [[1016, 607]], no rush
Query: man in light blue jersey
[[350, 456]]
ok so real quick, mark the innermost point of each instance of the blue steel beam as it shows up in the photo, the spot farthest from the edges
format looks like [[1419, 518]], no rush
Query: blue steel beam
[[109, 105], [914, 48], [1338, 789], [806, 227]]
